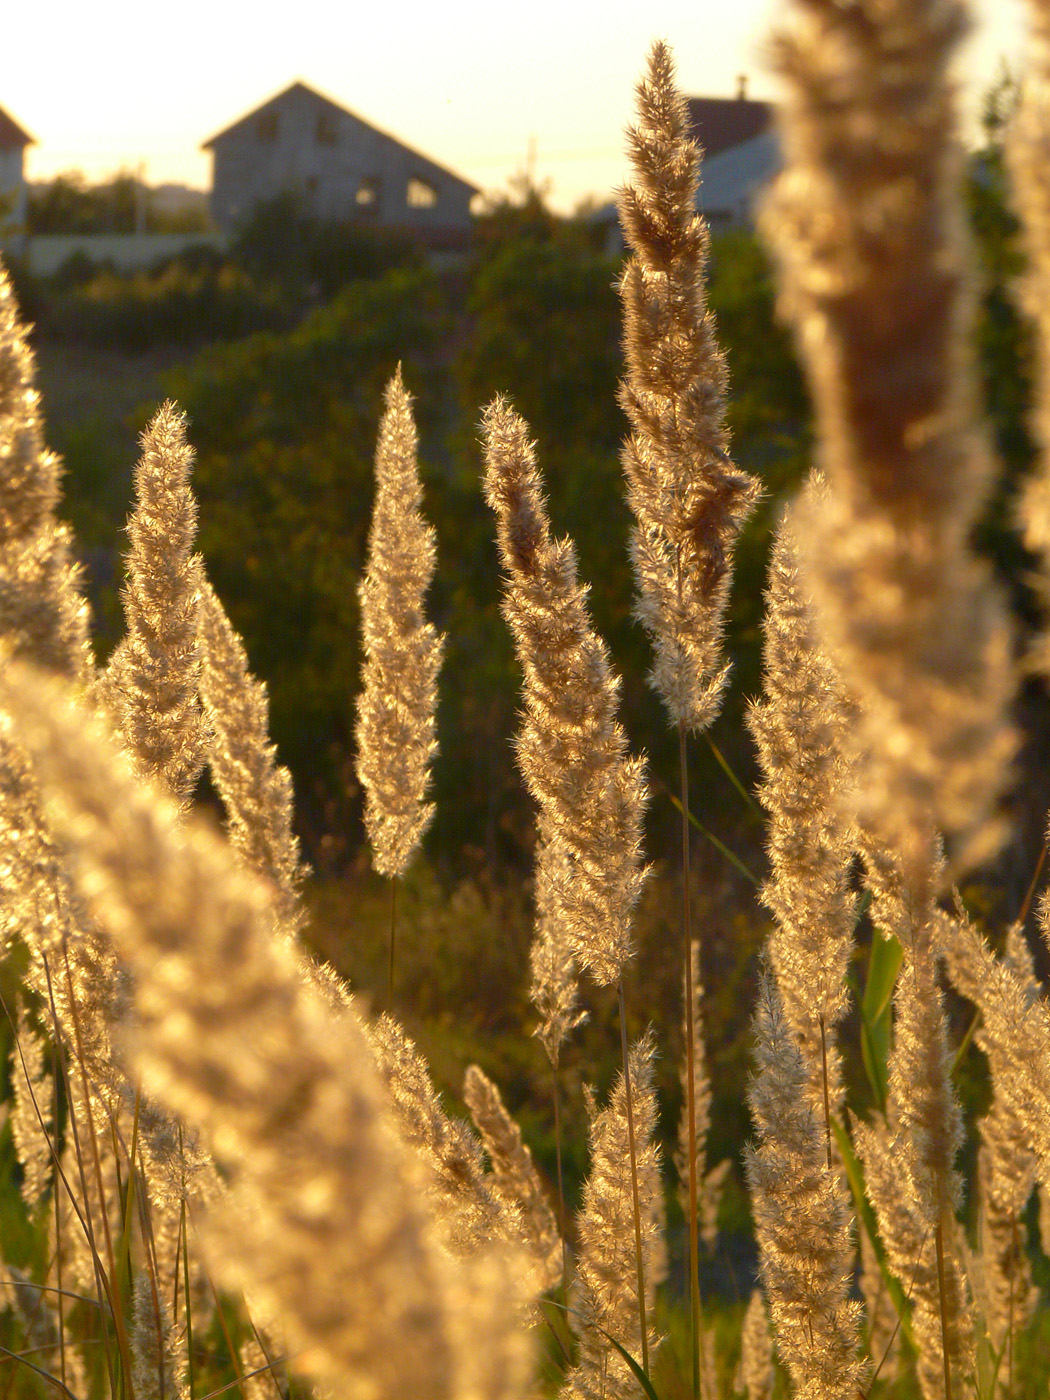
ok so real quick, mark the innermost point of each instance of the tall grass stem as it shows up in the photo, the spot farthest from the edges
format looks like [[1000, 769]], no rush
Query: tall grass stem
[[102, 1283], [186, 1284], [824, 1078], [690, 1063], [56, 1196], [561, 1183], [939, 1243], [393, 934], [634, 1179]]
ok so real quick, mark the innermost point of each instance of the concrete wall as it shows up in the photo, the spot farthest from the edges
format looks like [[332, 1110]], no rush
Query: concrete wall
[[127, 252], [342, 168]]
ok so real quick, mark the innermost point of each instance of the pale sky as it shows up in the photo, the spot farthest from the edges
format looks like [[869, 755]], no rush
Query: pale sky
[[470, 83]]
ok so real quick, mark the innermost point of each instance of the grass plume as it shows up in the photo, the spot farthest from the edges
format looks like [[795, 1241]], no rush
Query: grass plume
[[396, 725], [865, 221]]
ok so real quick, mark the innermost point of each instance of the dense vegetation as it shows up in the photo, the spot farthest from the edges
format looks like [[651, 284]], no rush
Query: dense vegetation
[[181, 1067], [283, 422]]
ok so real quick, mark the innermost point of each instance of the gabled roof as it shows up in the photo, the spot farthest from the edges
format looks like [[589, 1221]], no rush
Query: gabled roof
[[721, 122], [299, 87], [12, 137]]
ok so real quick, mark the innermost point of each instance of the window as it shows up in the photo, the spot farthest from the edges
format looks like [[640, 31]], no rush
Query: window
[[367, 196], [266, 126], [420, 195], [326, 131]]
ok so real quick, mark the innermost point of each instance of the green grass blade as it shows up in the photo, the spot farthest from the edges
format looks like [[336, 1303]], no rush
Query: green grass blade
[[723, 763], [876, 1012], [866, 1216], [730, 856], [636, 1370]]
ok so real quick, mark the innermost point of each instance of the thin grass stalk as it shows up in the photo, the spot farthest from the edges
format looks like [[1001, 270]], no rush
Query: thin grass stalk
[[827, 1096], [39, 1370], [938, 1239], [151, 1278], [635, 1202], [393, 932], [184, 1224], [271, 1364], [59, 1179], [177, 1275], [150, 1244], [115, 1143], [93, 1138], [690, 1092], [561, 1183], [129, 1202], [56, 1198], [102, 1284], [1010, 1327]]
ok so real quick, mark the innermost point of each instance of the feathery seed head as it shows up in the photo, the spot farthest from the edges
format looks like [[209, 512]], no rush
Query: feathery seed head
[[702, 1097], [1014, 1034], [555, 985], [605, 1292], [800, 728], [232, 1036], [466, 1206], [42, 615], [755, 1373], [396, 724], [255, 789], [865, 221], [153, 678], [157, 1367], [572, 750], [32, 1109], [688, 498], [1028, 140], [910, 1163], [802, 1218], [517, 1181]]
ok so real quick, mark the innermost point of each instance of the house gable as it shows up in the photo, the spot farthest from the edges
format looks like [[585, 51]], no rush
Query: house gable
[[341, 166], [12, 137]]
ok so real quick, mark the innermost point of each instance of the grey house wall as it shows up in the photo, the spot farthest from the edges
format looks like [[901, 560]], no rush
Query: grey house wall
[[341, 167], [12, 188], [732, 182]]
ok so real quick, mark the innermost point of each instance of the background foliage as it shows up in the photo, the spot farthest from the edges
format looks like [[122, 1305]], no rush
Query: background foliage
[[279, 353]]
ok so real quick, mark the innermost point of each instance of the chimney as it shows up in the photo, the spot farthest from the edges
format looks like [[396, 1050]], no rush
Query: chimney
[[741, 87]]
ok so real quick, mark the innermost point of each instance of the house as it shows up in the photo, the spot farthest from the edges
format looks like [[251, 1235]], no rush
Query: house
[[733, 180], [719, 123], [340, 166], [741, 154], [13, 142]]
